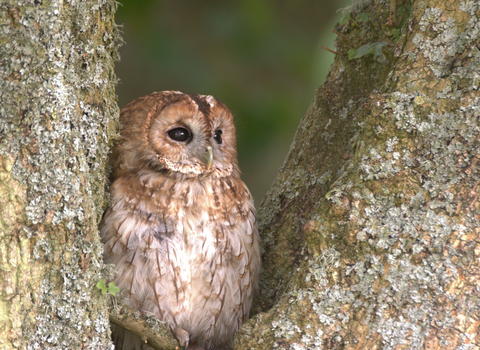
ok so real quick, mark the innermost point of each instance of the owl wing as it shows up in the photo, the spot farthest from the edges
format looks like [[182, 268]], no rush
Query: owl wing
[[141, 243], [232, 275], [250, 256], [134, 238]]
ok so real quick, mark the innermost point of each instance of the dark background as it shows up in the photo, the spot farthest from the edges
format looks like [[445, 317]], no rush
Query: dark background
[[260, 57]]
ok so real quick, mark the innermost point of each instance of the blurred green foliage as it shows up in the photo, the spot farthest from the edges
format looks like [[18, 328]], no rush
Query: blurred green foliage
[[260, 57]]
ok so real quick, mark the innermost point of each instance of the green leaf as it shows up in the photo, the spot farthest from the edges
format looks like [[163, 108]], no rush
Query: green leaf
[[345, 18], [395, 33], [364, 50], [378, 50], [352, 53], [113, 289], [363, 17], [371, 48], [101, 285]]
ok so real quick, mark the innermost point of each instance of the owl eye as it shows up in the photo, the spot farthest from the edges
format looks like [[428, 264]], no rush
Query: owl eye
[[218, 136], [180, 134]]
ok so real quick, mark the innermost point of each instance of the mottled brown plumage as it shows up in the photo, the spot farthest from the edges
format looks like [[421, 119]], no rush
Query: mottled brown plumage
[[181, 229]]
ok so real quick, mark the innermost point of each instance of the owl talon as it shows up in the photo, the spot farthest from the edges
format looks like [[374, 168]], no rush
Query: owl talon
[[182, 336]]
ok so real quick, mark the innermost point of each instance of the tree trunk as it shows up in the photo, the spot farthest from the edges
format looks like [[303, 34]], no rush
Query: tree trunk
[[58, 112], [371, 229]]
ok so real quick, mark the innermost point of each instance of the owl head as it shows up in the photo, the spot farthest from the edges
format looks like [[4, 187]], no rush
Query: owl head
[[176, 134]]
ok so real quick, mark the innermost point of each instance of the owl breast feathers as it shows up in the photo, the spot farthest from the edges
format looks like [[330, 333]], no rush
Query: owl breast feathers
[[181, 230]]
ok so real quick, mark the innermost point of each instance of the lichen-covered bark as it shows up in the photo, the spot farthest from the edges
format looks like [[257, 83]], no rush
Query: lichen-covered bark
[[57, 112], [371, 230], [145, 325], [321, 148]]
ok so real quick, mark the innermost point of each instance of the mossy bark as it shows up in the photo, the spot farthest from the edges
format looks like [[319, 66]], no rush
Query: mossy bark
[[57, 113], [371, 229]]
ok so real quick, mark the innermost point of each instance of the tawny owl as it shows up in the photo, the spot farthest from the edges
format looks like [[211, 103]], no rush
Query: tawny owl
[[181, 229]]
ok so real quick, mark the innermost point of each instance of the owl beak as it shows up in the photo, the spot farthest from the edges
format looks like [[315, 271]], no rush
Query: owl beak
[[209, 157]]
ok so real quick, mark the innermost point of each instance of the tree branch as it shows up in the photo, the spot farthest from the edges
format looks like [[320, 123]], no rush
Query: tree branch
[[149, 328]]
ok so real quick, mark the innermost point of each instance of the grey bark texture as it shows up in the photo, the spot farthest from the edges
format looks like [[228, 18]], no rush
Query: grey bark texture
[[57, 113], [371, 229]]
